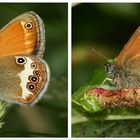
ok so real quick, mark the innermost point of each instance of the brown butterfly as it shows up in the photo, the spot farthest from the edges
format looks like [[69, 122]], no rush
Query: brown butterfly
[[24, 75], [125, 70]]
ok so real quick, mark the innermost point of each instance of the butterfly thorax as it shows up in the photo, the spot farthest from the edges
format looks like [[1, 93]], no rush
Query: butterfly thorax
[[121, 76]]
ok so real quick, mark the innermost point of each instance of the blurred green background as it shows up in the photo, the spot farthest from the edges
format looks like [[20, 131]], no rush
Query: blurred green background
[[106, 27], [49, 116]]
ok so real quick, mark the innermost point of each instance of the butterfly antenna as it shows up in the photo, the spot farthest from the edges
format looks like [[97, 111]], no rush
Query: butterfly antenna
[[93, 50]]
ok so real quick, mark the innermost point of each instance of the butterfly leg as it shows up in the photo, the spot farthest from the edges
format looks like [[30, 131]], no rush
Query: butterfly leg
[[137, 86], [106, 79]]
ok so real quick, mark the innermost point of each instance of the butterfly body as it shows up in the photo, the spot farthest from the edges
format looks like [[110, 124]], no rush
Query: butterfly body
[[120, 76], [24, 75]]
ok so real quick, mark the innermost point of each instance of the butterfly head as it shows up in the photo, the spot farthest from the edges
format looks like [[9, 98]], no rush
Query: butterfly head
[[110, 69]]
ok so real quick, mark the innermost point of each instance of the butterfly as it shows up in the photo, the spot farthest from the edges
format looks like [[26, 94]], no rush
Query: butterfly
[[24, 75], [125, 70]]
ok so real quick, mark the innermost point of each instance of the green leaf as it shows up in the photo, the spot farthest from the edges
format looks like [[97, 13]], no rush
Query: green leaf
[[3, 109], [90, 103], [99, 76], [88, 119]]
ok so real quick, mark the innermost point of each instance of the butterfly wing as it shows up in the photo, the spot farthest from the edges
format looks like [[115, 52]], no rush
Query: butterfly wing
[[23, 35], [129, 60], [131, 50], [23, 79]]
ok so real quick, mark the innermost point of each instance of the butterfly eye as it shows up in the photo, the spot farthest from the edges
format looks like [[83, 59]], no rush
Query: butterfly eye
[[33, 79], [28, 25], [31, 87], [21, 60], [33, 65], [36, 73], [107, 64]]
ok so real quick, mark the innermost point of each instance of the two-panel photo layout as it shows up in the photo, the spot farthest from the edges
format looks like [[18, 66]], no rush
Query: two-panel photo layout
[[36, 65]]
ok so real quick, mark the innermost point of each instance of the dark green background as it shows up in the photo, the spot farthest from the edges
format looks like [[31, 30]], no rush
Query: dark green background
[[49, 116], [106, 28]]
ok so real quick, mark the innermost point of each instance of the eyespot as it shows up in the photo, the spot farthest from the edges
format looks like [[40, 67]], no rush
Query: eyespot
[[33, 65], [31, 87], [21, 60], [36, 72], [33, 79], [28, 25]]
